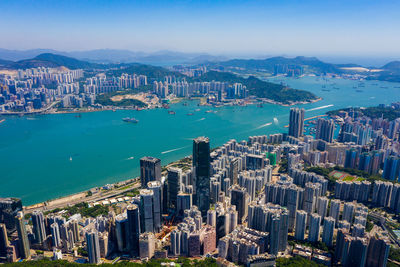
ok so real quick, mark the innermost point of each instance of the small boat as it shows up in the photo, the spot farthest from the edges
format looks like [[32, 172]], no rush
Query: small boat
[[359, 91], [130, 120], [171, 112], [70, 158], [326, 90], [3, 120], [209, 111], [190, 114], [197, 109], [78, 116], [384, 87]]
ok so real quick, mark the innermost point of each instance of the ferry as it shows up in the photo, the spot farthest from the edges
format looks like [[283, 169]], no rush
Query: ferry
[[127, 119]]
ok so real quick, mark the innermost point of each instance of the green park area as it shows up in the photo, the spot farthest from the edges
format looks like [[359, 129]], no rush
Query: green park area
[[344, 176]]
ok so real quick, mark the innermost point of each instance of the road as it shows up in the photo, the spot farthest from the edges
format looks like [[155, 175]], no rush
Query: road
[[94, 198], [32, 112]]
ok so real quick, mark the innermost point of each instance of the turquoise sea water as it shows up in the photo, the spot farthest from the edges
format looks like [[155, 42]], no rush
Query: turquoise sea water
[[35, 151]]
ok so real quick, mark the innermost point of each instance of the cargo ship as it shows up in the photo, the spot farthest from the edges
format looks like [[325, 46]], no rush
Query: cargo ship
[[130, 120]]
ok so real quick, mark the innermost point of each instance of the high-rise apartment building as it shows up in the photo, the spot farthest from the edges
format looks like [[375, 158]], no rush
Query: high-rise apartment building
[[23, 242], [296, 122], [325, 130], [93, 246]]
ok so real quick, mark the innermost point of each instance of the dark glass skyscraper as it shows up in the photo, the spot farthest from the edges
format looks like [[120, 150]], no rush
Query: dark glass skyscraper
[[296, 122], [3, 240], [8, 209], [201, 165], [150, 170], [174, 182], [133, 215]]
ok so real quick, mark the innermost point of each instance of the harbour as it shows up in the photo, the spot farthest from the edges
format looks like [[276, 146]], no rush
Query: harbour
[[35, 150]]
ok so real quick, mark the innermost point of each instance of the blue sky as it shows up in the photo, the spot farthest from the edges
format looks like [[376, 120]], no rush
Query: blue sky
[[352, 27]]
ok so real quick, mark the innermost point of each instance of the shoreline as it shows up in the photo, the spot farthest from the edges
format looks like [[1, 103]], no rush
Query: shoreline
[[176, 101], [82, 195]]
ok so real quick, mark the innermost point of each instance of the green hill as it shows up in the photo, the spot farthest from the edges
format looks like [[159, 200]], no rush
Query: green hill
[[372, 112], [4, 62], [392, 66], [260, 88], [390, 73], [310, 64], [53, 60], [152, 72]]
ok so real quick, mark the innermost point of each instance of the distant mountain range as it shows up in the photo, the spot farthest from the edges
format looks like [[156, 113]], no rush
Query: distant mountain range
[[388, 72], [161, 58]]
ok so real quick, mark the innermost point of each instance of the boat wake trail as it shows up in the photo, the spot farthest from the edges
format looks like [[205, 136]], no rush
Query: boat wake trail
[[172, 150], [264, 125], [322, 107]]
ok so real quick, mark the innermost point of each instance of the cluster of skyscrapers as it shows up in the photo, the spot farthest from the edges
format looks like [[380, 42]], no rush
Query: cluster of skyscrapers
[[231, 198], [215, 90]]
